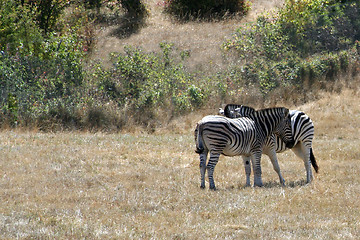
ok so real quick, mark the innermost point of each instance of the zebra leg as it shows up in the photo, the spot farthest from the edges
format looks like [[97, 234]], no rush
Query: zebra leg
[[214, 158], [256, 163], [203, 157], [247, 166], [273, 157], [303, 152]]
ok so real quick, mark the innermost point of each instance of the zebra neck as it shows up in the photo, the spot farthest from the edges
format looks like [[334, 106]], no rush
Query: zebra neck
[[266, 122]]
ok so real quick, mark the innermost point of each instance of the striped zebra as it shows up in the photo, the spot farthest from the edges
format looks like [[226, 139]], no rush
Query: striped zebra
[[240, 136], [303, 133]]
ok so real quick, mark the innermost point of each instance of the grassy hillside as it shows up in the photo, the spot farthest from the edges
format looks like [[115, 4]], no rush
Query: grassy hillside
[[110, 69], [262, 59], [202, 39]]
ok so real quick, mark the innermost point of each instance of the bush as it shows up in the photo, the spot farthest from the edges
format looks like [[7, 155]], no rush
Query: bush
[[134, 7], [44, 84], [46, 12], [306, 42], [145, 83], [29, 83], [18, 31], [315, 26], [196, 96], [263, 39], [204, 9]]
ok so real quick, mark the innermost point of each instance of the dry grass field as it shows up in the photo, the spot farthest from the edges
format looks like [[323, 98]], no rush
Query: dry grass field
[[135, 185], [76, 185]]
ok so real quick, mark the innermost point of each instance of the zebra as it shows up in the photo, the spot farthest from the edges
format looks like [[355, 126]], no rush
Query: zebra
[[303, 133], [240, 136]]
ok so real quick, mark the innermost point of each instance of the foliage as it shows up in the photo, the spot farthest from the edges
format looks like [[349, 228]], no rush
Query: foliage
[[46, 12], [38, 71], [147, 81], [18, 31], [263, 39], [306, 41], [47, 80], [204, 9], [28, 84], [318, 25], [93, 3]]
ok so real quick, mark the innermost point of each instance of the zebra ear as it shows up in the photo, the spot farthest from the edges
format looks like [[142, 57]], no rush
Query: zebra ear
[[221, 111], [286, 112]]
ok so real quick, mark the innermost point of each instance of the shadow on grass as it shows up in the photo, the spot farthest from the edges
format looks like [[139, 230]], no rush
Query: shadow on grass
[[125, 25], [291, 184], [271, 184], [129, 24]]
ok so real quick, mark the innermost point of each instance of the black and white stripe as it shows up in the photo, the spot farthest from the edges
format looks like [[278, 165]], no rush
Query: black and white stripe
[[303, 133], [244, 136]]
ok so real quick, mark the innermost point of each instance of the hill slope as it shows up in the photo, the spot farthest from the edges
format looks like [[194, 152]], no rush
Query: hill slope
[[202, 39]]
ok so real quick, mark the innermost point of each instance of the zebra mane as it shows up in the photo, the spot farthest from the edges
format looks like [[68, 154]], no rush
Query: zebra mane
[[284, 112], [236, 110]]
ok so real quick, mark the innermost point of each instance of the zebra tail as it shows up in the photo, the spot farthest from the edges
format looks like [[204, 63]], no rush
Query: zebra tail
[[313, 161], [198, 139]]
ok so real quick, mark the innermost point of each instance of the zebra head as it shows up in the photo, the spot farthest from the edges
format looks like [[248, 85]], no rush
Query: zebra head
[[235, 111], [284, 130], [244, 111]]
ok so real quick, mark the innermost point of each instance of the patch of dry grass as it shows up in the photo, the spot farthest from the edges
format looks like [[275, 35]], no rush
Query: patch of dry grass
[[201, 39], [141, 186]]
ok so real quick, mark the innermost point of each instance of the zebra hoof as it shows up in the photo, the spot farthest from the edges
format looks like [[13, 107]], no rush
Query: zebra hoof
[[282, 183], [202, 186], [259, 185], [213, 188]]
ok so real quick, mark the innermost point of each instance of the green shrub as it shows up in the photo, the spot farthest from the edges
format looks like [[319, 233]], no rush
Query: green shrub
[[196, 96], [314, 26], [263, 39], [33, 82], [19, 32], [46, 12], [44, 82], [147, 82], [92, 3], [307, 41]]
